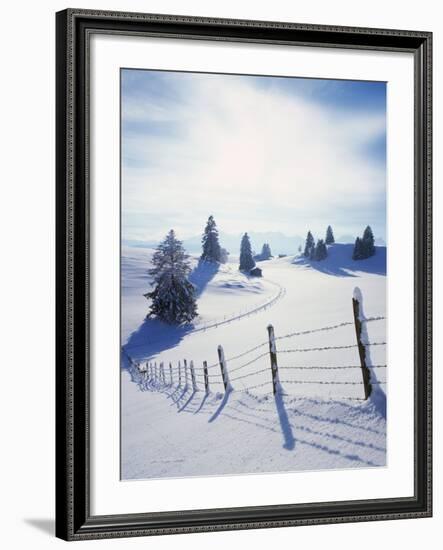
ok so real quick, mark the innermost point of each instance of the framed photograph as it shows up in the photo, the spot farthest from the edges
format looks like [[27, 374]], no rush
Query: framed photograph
[[243, 274]]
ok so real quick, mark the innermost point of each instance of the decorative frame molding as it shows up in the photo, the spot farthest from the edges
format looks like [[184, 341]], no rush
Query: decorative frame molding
[[74, 28]]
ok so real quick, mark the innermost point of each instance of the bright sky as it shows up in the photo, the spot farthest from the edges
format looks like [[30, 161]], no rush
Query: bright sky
[[259, 153]]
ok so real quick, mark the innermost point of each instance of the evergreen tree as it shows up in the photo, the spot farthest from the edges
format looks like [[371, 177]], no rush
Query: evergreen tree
[[309, 245], [210, 243], [312, 252], [358, 253], [246, 260], [364, 247], [320, 251], [299, 248], [173, 298], [368, 242], [266, 252], [329, 236]]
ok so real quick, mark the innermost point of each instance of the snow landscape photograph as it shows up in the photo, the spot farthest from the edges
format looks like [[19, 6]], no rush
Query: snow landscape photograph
[[253, 274]]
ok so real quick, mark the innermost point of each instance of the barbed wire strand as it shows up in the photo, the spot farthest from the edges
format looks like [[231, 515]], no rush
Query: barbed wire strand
[[248, 363], [329, 368], [331, 327]]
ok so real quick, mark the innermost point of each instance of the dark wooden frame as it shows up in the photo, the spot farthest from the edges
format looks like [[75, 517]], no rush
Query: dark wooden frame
[[74, 521]]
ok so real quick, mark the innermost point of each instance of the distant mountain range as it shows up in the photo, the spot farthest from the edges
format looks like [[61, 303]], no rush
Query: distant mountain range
[[279, 243]]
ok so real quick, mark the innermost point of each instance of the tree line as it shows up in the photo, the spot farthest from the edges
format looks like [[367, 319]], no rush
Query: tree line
[[318, 250], [364, 247], [173, 298]]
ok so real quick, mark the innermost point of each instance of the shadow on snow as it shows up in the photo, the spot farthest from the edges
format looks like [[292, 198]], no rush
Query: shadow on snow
[[260, 412], [339, 262], [202, 275], [154, 336]]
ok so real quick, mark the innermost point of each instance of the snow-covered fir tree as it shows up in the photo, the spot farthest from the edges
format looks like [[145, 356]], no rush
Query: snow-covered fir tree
[[368, 242], [329, 236], [358, 252], [173, 298], [211, 246], [365, 246], [246, 260], [309, 245], [320, 252]]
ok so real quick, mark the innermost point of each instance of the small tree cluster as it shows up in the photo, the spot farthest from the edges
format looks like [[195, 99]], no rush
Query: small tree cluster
[[320, 252], [317, 251], [173, 297], [246, 259], [265, 254], [364, 247], [211, 246]]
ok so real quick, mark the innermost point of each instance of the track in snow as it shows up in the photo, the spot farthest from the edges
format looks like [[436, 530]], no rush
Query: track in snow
[[280, 294]]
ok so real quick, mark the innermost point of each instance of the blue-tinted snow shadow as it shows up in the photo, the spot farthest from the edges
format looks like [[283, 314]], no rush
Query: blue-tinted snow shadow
[[187, 402], [339, 262], [186, 399], [288, 436], [257, 420], [221, 406], [202, 275], [152, 337]]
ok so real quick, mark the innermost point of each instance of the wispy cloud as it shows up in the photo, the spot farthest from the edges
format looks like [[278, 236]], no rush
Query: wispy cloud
[[256, 157]]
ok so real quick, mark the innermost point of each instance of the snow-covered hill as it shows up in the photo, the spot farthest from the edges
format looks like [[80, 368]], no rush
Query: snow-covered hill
[[320, 421]]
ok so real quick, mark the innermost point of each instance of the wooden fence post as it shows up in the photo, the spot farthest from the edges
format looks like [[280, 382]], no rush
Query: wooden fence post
[[274, 365], [361, 348], [194, 384], [179, 374], [162, 373], [171, 380], [224, 369], [205, 372], [186, 373], [155, 372]]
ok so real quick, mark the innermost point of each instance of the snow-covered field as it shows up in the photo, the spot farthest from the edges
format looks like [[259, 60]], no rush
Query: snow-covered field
[[320, 421]]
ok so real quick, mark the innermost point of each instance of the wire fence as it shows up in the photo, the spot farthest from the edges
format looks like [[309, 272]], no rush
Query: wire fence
[[198, 375], [227, 319]]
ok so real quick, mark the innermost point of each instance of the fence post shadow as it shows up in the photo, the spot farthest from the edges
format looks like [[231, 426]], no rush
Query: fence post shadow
[[221, 406], [190, 398], [202, 403], [286, 428]]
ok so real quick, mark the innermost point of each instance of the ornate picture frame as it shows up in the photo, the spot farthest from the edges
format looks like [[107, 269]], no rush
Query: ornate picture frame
[[74, 518]]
